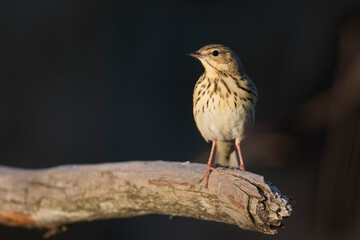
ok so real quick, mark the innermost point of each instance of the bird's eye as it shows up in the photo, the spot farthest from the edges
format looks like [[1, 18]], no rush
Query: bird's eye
[[215, 53]]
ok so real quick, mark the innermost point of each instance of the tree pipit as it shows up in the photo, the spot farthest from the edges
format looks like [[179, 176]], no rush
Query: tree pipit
[[223, 105]]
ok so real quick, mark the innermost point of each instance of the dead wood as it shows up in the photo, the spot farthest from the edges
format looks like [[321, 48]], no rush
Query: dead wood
[[51, 198]]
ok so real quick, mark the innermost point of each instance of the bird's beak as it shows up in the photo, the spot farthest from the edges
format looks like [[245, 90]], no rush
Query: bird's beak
[[195, 55]]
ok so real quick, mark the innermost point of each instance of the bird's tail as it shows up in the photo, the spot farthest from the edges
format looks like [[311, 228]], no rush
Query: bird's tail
[[226, 155]]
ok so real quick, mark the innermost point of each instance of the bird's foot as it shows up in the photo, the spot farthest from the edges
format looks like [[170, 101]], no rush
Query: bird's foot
[[241, 168], [207, 175]]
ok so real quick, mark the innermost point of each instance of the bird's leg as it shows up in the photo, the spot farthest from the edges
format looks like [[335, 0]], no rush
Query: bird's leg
[[209, 165], [242, 167]]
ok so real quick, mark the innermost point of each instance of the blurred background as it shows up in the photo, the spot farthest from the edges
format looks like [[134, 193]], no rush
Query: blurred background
[[109, 81]]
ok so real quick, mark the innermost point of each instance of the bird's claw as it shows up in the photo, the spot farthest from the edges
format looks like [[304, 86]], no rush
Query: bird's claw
[[241, 168], [206, 176]]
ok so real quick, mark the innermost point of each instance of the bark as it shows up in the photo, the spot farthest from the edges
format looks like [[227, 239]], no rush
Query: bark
[[51, 198]]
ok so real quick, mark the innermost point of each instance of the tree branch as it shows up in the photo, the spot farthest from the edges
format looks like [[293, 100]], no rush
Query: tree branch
[[62, 195]]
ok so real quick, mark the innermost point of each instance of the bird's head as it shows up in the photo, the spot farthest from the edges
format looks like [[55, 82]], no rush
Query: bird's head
[[217, 58]]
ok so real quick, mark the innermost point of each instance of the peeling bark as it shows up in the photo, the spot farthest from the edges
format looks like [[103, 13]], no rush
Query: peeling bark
[[62, 195]]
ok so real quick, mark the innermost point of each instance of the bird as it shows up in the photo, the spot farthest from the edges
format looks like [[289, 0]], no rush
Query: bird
[[224, 101]]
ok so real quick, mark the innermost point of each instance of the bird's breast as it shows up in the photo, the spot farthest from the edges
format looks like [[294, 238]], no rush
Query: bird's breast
[[221, 110]]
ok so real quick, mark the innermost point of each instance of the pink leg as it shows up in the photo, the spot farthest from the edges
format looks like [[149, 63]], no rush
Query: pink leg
[[209, 165], [242, 167]]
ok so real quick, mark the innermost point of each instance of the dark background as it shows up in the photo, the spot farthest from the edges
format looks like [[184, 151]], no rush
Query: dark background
[[109, 81]]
